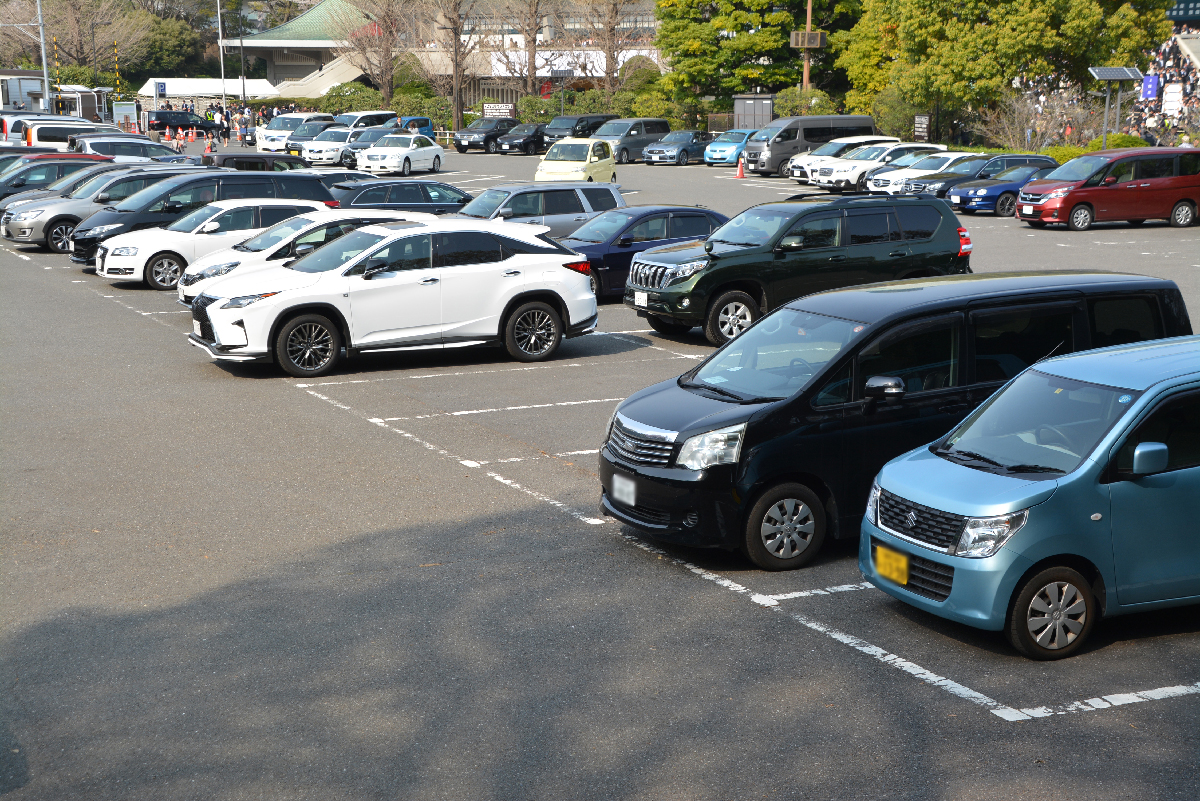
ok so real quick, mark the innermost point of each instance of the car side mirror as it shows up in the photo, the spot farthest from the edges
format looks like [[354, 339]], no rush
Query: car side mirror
[[301, 250], [209, 227], [625, 241], [1110, 180], [374, 267], [1150, 458], [790, 242], [172, 206], [103, 197], [505, 214], [708, 246], [19, 182], [884, 387]]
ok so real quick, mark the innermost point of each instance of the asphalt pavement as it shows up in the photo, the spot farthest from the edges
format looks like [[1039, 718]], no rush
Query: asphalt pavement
[[219, 582]]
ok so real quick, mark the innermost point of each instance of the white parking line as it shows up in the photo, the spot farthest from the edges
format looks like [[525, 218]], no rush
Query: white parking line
[[502, 409], [773, 600], [436, 375]]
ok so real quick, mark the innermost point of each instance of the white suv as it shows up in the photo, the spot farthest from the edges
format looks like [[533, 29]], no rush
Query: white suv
[[849, 173], [801, 163], [399, 286], [934, 162]]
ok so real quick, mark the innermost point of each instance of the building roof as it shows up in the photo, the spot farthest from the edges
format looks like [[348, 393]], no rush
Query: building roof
[[314, 28], [209, 87]]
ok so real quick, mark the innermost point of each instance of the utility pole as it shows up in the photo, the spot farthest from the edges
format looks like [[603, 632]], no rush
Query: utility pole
[[242, 48], [807, 29], [45, 67], [221, 54]]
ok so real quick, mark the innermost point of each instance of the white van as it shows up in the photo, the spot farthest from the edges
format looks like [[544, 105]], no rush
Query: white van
[[55, 134]]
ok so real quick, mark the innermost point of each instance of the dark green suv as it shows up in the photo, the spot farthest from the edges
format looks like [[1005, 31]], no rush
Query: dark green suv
[[777, 252]]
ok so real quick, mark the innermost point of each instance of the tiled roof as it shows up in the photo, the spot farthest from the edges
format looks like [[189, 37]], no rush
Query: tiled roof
[[318, 24]]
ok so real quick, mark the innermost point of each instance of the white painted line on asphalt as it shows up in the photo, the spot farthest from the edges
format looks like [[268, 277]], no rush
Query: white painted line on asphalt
[[773, 600], [656, 347], [437, 375], [1108, 701], [578, 453], [502, 409], [592, 521], [26, 258]]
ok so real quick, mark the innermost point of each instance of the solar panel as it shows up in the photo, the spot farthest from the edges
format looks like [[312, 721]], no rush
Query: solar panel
[[1115, 73]]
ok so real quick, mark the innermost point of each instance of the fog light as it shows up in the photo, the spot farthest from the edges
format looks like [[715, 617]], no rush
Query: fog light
[[691, 519], [683, 304], [1054, 214]]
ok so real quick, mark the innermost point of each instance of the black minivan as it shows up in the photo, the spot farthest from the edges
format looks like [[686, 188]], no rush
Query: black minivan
[[161, 204], [771, 443]]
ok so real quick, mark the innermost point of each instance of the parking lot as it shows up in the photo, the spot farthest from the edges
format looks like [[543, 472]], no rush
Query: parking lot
[[394, 581]]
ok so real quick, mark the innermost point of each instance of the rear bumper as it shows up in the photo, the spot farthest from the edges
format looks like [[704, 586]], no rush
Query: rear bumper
[[583, 327]]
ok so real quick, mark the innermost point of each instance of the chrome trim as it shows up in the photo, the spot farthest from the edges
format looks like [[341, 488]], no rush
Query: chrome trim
[[647, 431], [948, 551]]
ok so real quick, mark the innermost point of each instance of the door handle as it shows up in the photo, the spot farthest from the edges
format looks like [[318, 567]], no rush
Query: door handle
[[439, 211], [1143, 184], [895, 254], [837, 258], [533, 222], [511, 273], [581, 218], [428, 281]]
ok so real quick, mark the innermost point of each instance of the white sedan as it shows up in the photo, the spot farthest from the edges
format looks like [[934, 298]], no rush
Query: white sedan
[[276, 246], [401, 153], [158, 256]]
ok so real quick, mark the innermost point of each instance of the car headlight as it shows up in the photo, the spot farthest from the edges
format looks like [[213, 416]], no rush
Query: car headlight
[[219, 269], [722, 446], [27, 215], [246, 300], [873, 504], [124, 252], [935, 186], [104, 229], [983, 536], [1059, 193], [685, 270]]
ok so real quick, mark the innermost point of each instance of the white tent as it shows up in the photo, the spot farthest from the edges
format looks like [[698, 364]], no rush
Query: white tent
[[209, 87]]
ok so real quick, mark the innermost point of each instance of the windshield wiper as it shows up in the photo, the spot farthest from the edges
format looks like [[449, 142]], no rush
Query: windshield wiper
[[243, 248], [728, 242], [1031, 468], [972, 455], [711, 388]]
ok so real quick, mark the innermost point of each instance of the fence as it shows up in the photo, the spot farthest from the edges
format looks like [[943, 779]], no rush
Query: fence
[[719, 122]]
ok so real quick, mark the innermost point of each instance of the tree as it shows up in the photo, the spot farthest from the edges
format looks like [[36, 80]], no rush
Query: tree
[[352, 96], [527, 18], [277, 12], [71, 23], [173, 48], [609, 28], [369, 33], [454, 25]]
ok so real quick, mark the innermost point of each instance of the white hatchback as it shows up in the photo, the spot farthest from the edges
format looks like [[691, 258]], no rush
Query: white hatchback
[[401, 153], [158, 256], [290, 239], [402, 286]]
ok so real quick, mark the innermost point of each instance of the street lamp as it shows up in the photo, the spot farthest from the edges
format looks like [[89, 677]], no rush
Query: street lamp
[[96, 63]]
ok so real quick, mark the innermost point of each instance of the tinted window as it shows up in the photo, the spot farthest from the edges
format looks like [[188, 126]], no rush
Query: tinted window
[[918, 222], [1157, 168], [406, 193], [284, 166], [302, 188], [42, 175], [103, 148], [924, 357], [1119, 321], [822, 134], [512, 247], [236, 191], [646, 230], [817, 233], [850, 130], [526, 204], [374, 195], [123, 189], [191, 196], [1007, 342], [837, 390], [688, 225], [600, 199], [1189, 164], [467, 247], [257, 165], [563, 201], [443, 194], [270, 215], [1176, 424], [128, 149], [236, 220], [867, 229], [323, 234]]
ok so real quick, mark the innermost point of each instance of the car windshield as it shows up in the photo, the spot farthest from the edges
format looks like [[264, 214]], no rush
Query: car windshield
[[731, 136], [336, 253], [568, 152], [1040, 425], [1079, 169], [829, 149], [752, 227], [482, 125], [602, 227], [271, 237], [402, 142], [562, 122], [1019, 173], [332, 136], [909, 160], [967, 167], [284, 124], [371, 136], [485, 205], [931, 163], [526, 128], [868, 153], [188, 222], [678, 136], [311, 128], [65, 181], [776, 358], [766, 134], [610, 129], [91, 187]]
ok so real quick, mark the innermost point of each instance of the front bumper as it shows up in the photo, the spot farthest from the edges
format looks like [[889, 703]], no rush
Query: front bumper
[[1050, 211], [468, 143], [83, 249], [718, 158], [223, 356], [800, 174], [663, 158], [980, 589], [986, 203], [272, 147], [835, 182], [126, 268], [667, 305], [378, 166], [31, 232], [328, 157]]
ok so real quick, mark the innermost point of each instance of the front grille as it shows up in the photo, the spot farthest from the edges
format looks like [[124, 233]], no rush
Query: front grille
[[880, 183], [652, 276], [653, 517], [914, 186], [1027, 197], [200, 314], [375, 158], [926, 578], [187, 279], [8, 215], [826, 172], [638, 449], [930, 527]]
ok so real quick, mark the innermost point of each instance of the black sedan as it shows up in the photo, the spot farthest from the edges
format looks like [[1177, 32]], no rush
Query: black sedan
[[433, 197], [528, 138], [612, 239]]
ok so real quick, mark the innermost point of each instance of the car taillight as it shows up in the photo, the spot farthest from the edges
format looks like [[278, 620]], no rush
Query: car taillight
[[964, 242], [584, 267], [333, 204]]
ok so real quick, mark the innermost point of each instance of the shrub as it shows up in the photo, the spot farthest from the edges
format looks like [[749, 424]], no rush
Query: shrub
[[1062, 153], [352, 96], [1116, 140], [794, 101]]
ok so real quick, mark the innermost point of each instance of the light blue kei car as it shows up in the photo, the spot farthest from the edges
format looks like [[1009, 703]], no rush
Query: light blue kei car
[[727, 147], [1071, 494]]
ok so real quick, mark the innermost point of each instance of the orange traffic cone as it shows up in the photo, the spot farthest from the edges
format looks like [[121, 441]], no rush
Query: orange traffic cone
[[135, 127], [167, 133], [192, 134], [207, 145], [741, 173]]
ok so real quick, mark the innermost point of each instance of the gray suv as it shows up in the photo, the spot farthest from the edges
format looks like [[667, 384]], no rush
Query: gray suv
[[562, 206], [629, 136]]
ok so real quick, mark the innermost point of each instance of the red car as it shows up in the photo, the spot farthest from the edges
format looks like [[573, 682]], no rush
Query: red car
[[1133, 185]]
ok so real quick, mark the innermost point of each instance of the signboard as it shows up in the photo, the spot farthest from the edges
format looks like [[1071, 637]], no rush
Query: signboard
[[1172, 101], [921, 128], [161, 88], [499, 110], [125, 115], [1150, 87], [809, 40]]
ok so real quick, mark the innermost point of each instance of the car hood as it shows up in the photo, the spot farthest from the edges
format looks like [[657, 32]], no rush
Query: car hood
[[690, 250], [105, 216], [932, 481], [467, 134], [221, 257], [1042, 186], [146, 237], [945, 176], [45, 201], [516, 136], [26, 197], [668, 406], [276, 279], [987, 183]]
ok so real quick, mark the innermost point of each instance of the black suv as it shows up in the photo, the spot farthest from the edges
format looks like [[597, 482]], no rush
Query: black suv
[[773, 253], [164, 202], [161, 120], [433, 197], [579, 126], [483, 134], [771, 443]]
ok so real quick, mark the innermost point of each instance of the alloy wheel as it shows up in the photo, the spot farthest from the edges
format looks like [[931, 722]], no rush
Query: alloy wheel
[[734, 319], [683, 158], [1183, 215], [407, 168], [1081, 218], [310, 346], [1056, 615], [623, 156], [437, 163], [534, 332], [166, 272], [59, 237], [1006, 206], [787, 528]]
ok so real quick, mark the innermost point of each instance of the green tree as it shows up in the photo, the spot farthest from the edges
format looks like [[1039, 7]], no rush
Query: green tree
[[352, 96], [173, 49], [794, 101]]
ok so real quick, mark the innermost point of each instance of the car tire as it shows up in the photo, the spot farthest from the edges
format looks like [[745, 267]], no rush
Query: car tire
[[667, 327], [682, 158], [58, 235], [1183, 215], [346, 162], [593, 284], [730, 314], [460, 149], [530, 149], [163, 271], [490, 147], [1006, 205], [406, 170], [1052, 614], [623, 156], [308, 345], [1080, 218], [437, 164], [785, 528], [532, 332]]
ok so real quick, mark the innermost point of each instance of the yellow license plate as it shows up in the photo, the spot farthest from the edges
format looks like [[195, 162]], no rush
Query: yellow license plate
[[892, 565]]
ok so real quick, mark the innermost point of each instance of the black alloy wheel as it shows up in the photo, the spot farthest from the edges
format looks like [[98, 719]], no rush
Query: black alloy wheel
[[1006, 205], [307, 346], [530, 149], [58, 235]]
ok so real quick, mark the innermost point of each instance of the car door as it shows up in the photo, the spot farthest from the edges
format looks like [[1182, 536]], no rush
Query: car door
[[401, 305], [648, 232], [563, 211], [600, 162], [272, 215], [1156, 542], [231, 229], [1004, 340], [813, 258], [599, 199], [875, 250], [1116, 199], [477, 283], [1154, 179], [405, 197], [442, 199], [526, 207]]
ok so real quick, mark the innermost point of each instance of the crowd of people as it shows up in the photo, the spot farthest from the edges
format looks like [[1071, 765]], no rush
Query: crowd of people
[[1175, 123]]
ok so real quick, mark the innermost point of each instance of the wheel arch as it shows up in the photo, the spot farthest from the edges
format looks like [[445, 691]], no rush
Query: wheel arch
[[748, 285], [327, 309], [54, 221], [1082, 564], [544, 295], [810, 480]]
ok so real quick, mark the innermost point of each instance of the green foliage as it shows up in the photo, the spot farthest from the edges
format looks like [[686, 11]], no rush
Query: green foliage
[[173, 48], [352, 96], [1062, 153], [892, 112], [1116, 140], [793, 101], [438, 109], [85, 76]]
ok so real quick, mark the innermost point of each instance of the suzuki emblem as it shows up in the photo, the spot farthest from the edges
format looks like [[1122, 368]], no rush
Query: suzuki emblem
[[911, 519]]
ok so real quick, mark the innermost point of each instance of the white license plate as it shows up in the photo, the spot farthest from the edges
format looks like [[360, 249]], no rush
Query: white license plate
[[462, 141], [1027, 209], [624, 490], [640, 299], [504, 147], [196, 327], [71, 245], [955, 199]]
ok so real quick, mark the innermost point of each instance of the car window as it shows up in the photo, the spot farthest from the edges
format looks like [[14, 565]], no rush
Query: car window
[[256, 188], [688, 226], [526, 204], [1156, 167], [152, 150], [600, 150], [406, 193], [836, 389], [376, 194], [236, 220], [42, 175], [467, 247], [423, 142], [820, 232], [325, 233], [253, 165], [191, 196], [123, 189], [1189, 164], [103, 148], [271, 215], [1006, 342], [293, 186], [925, 357], [443, 194], [410, 253], [1176, 424], [600, 199], [787, 134], [562, 201], [128, 149], [1121, 170], [648, 229], [918, 222], [635, 130], [869, 229], [1120, 321]]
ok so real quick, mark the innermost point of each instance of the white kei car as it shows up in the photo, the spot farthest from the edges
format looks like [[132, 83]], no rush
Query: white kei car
[[158, 256], [290, 239], [402, 286], [401, 153]]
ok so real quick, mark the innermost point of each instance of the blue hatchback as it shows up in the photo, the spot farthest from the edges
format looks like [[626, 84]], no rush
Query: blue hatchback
[[610, 240], [1072, 494], [997, 194], [727, 147]]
